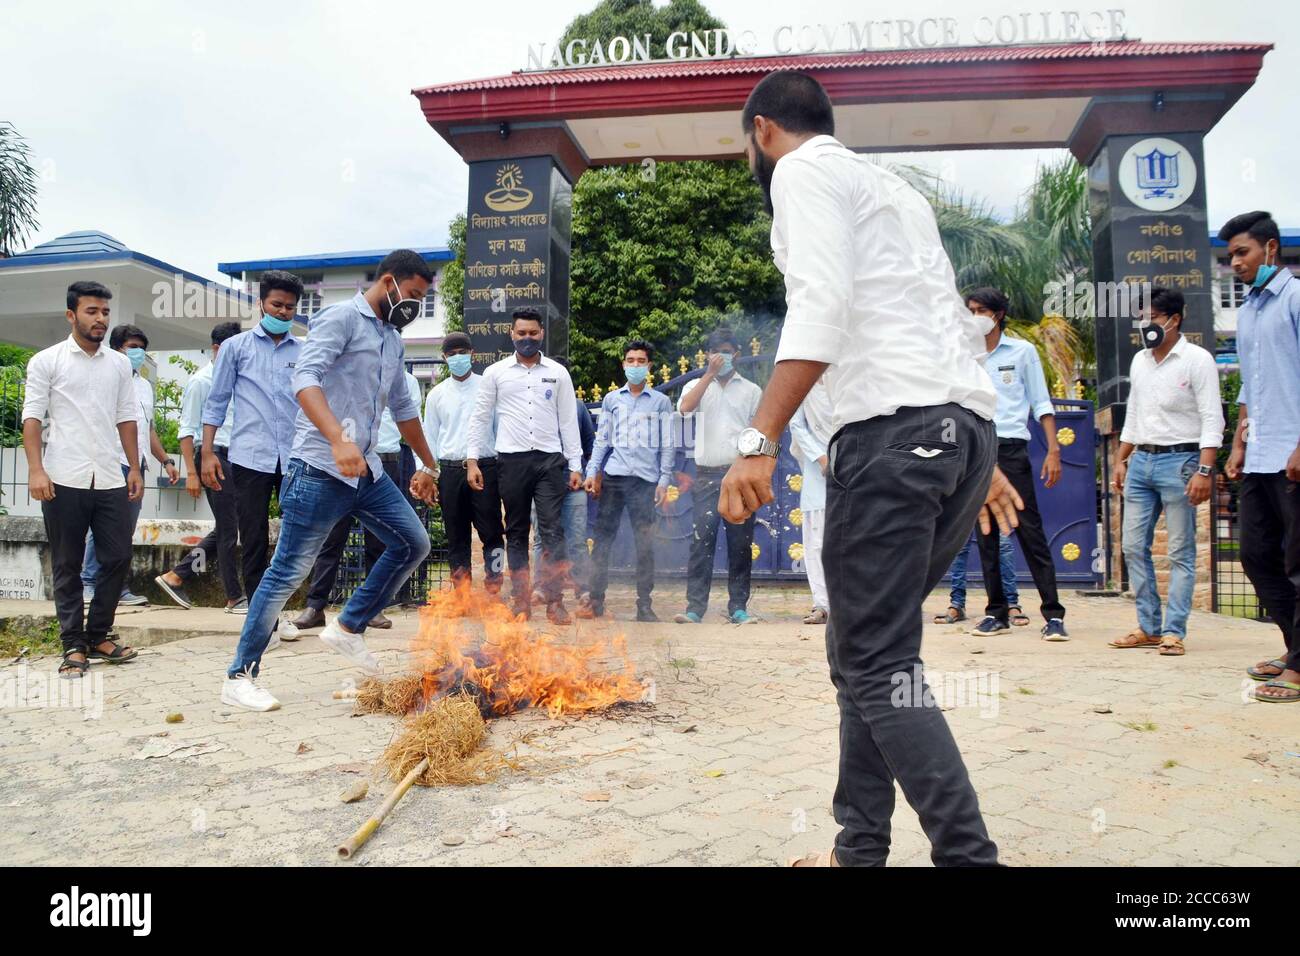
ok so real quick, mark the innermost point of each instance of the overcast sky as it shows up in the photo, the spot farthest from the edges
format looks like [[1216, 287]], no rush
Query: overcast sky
[[203, 133]]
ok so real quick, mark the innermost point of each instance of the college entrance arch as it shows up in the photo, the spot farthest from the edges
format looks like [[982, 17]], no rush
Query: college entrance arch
[[1134, 113]]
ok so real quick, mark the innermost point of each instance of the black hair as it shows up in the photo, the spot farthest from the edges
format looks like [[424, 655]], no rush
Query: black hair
[[527, 314], [639, 345], [224, 330], [457, 340], [1259, 225], [86, 289], [117, 338], [1168, 302], [995, 300], [404, 263], [284, 281], [794, 101], [722, 336]]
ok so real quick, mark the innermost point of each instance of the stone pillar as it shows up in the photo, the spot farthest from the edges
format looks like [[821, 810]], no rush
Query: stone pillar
[[1149, 228], [517, 237]]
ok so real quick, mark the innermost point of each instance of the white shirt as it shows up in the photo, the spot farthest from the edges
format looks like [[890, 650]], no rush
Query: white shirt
[[86, 397], [390, 439], [1175, 401], [723, 413], [192, 401], [869, 288], [535, 410], [143, 419], [447, 413]]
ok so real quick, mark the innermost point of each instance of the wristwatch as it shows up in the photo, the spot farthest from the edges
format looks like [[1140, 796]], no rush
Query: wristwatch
[[168, 461], [1205, 470], [753, 442], [426, 470]]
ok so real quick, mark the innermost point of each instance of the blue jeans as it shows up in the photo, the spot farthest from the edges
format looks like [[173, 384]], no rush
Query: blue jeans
[[574, 517], [90, 563], [1007, 559], [1155, 482], [311, 503]]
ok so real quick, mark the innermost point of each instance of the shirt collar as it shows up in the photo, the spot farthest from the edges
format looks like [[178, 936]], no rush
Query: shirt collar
[[542, 359], [821, 139], [363, 306], [74, 347]]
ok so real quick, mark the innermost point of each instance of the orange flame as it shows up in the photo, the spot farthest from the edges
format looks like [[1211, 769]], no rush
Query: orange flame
[[512, 666]]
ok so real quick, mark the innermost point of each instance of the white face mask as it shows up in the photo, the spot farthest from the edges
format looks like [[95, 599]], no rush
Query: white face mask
[[402, 312]]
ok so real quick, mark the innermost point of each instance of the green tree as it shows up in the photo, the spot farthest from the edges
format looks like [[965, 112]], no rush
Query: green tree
[[18, 186], [631, 18]]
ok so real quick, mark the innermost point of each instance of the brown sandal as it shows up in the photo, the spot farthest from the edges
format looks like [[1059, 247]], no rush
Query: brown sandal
[[1137, 638], [951, 616], [1172, 647]]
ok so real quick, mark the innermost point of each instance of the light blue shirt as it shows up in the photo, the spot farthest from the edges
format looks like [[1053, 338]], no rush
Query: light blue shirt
[[808, 449], [1021, 386], [255, 374], [357, 361], [192, 402], [390, 439], [446, 419], [636, 433], [1268, 348]]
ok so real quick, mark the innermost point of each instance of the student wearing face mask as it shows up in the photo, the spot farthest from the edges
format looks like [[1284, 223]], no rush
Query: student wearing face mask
[[351, 368], [132, 343], [630, 469], [253, 375], [446, 427], [719, 404], [1173, 427], [1266, 447]]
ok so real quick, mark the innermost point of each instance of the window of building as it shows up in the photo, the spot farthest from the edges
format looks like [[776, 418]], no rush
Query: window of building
[[1232, 292], [310, 303], [430, 303]]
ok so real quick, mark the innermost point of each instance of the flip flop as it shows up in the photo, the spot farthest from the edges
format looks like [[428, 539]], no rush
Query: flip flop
[[1253, 674], [1288, 685], [1018, 617], [1135, 639], [951, 616], [1172, 648]]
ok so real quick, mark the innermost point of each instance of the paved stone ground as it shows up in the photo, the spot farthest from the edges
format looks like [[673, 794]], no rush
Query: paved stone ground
[[734, 765]]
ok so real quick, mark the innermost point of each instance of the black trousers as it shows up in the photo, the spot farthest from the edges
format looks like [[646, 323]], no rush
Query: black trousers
[[464, 508], [253, 506], [527, 478], [1269, 508], [1013, 459], [326, 569], [637, 496], [894, 522], [68, 517], [704, 542], [219, 544]]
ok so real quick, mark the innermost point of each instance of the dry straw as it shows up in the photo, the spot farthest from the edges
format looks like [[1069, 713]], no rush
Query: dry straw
[[448, 732]]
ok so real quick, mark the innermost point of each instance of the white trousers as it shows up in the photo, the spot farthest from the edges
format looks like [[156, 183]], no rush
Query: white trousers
[[814, 523]]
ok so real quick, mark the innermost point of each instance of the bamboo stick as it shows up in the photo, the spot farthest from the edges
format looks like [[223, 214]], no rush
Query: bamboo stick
[[368, 828]]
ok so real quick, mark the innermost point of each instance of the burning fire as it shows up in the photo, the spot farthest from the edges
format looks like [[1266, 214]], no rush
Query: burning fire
[[512, 666]]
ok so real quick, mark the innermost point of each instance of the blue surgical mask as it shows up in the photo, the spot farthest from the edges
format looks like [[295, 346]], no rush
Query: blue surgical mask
[[1262, 276], [528, 347], [137, 358], [636, 374], [727, 366], [459, 364], [276, 326]]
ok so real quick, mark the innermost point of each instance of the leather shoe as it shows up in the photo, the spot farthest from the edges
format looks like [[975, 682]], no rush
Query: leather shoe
[[309, 618]]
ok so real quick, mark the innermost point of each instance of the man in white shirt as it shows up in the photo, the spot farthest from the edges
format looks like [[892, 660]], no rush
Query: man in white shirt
[[218, 547], [532, 400], [325, 572], [717, 407], [446, 427], [1173, 427], [133, 343], [810, 437], [86, 391], [872, 304]]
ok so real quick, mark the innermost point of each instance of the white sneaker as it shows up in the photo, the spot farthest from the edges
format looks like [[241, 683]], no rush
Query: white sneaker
[[243, 691], [351, 646], [288, 631]]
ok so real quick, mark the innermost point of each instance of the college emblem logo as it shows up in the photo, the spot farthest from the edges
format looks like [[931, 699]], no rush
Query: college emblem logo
[[1157, 174], [510, 194]]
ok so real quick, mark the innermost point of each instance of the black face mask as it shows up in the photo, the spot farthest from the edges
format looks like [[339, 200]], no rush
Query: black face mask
[[402, 312], [764, 169], [1152, 335]]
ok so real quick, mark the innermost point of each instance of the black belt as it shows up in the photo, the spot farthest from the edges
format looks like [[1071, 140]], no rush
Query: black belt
[[1012, 441], [1186, 446]]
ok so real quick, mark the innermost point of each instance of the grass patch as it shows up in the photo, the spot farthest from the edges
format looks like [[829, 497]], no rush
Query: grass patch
[[1170, 764], [39, 635], [1024, 690], [682, 663], [1142, 726]]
